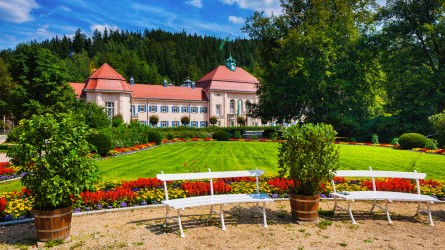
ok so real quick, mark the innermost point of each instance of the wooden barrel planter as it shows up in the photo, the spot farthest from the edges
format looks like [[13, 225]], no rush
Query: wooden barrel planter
[[304, 207], [53, 224]]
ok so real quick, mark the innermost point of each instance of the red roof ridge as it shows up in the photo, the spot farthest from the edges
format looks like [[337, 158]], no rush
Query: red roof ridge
[[106, 72], [222, 73]]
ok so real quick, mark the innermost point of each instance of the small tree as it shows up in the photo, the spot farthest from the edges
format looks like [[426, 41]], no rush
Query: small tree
[[241, 120], [213, 120], [153, 119], [185, 120], [117, 121]]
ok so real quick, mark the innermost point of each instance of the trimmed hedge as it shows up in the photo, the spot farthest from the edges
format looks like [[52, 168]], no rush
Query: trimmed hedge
[[154, 136], [101, 142], [412, 140], [221, 136]]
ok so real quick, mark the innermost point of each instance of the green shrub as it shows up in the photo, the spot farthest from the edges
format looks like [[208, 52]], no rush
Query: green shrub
[[412, 140], [375, 139], [170, 136], [101, 143], [395, 140], [238, 134], [221, 136], [117, 121], [267, 133], [13, 135], [154, 136], [431, 144]]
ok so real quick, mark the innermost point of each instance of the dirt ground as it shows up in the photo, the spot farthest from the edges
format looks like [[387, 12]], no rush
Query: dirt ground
[[142, 229]]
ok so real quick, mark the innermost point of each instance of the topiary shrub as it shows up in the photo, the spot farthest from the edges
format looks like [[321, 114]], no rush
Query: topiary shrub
[[412, 140], [101, 142], [220, 136], [155, 137]]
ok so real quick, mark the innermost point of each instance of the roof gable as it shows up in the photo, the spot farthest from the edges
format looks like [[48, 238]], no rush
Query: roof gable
[[222, 73], [107, 79]]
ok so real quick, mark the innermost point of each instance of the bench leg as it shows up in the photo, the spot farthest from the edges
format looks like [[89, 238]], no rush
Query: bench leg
[[166, 215], [211, 212], [428, 204], [418, 208], [335, 203], [179, 224], [264, 215], [223, 226], [350, 213], [373, 206], [387, 212]]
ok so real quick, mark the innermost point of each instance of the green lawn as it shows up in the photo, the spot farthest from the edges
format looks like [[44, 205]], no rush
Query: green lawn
[[220, 156]]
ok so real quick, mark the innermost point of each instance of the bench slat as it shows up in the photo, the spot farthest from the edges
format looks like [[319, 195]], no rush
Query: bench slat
[[384, 195], [380, 174], [208, 175], [216, 200]]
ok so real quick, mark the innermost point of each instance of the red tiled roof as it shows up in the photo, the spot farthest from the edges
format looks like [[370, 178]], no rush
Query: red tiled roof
[[221, 78], [222, 73], [77, 87], [170, 92], [107, 79]]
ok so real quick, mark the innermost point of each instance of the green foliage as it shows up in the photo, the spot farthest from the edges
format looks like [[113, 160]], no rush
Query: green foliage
[[213, 120], [395, 140], [185, 120], [53, 152], [267, 133], [101, 143], [7, 87], [129, 136], [438, 121], [431, 144], [13, 135], [412, 140], [117, 120], [154, 136], [241, 120], [238, 134], [220, 136], [309, 156], [153, 119], [169, 136], [93, 114], [375, 139]]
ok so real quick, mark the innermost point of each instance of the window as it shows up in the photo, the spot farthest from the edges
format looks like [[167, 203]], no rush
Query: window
[[153, 109], [141, 108], [164, 109], [164, 124], [109, 108], [133, 110], [218, 110], [240, 107], [232, 106], [194, 109], [175, 123], [195, 124], [175, 109], [184, 109], [203, 109], [203, 124], [232, 123]]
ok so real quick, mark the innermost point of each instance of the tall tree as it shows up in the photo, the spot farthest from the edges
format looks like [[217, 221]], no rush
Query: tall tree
[[317, 64], [7, 86], [41, 82]]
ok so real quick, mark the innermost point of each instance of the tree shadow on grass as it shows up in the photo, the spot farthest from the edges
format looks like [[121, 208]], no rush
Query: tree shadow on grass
[[21, 235]]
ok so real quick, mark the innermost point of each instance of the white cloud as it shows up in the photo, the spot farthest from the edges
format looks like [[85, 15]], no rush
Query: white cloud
[[268, 6], [196, 3], [65, 8], [17, 11], [236, 20], [101, 27]]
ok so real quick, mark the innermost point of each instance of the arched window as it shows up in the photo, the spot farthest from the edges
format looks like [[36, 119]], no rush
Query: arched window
[[232, 106], [240, 107]]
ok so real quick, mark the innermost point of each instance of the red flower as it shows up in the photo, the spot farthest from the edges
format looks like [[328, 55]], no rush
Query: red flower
[[2, 204]]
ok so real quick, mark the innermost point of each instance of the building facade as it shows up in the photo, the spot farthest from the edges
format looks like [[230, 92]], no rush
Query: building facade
[[223, 92]]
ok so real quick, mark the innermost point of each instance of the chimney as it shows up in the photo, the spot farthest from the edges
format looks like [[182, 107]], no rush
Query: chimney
[[165, 83], [131, 81]]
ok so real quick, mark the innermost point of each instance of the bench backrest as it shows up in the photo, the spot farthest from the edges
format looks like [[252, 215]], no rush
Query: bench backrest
[[209, 176], [380, 174]]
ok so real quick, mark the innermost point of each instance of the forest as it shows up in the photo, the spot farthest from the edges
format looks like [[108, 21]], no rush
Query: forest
[[363, 68]]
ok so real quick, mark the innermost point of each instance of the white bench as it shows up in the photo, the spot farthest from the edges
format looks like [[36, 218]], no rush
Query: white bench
[[386, 196], [212, 199]]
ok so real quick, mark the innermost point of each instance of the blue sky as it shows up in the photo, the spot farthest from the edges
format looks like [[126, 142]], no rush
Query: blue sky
[[26, 20]]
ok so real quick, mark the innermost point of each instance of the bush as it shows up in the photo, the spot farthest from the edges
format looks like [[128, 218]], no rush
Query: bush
[[267, 133], [412, 140], [221, 136], [117, 120], [154, 136], [375, 139], [395, 140], [185, 120], [101, 143], [238, 134], [431, 144]]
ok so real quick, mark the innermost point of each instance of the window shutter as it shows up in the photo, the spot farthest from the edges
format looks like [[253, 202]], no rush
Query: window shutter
[[145, 108], [167, 112], [139, 108], [156, 108]]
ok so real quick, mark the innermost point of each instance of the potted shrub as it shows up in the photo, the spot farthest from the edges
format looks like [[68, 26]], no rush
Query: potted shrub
[[54, 154], [213, 120], [310, 158]]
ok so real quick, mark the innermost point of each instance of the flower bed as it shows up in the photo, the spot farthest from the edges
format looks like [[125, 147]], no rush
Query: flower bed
[[120, 151], [144, 191], [7, 172]]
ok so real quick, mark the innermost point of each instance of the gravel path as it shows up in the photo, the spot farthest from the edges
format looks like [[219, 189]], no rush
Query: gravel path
[[142, 229]]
